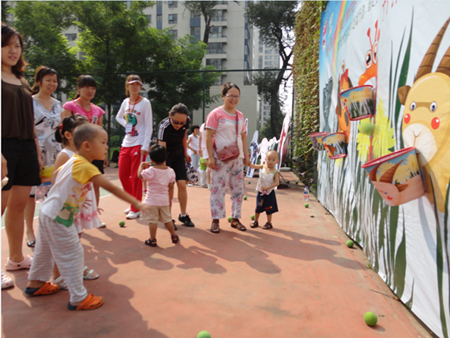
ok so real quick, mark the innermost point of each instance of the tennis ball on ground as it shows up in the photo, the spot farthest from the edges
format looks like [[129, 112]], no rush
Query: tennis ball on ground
[[204, 334], [249, 182], [252, 217], [350, 243], [121, 223], [229, 218], [288, 182], [306, 205], [296, 182], [366, 128], [245, 198], [370, 318]]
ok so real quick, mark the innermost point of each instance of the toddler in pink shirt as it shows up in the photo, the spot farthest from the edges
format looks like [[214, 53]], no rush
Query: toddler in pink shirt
[[160, 180]]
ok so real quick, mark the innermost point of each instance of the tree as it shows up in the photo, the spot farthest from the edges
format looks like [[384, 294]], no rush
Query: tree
[[276, 22], [42, 23], [177, 77], [205, 8], [5, 11]]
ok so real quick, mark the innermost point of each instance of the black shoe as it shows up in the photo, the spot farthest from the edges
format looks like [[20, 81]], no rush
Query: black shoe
[[186, 221], [174, 225]]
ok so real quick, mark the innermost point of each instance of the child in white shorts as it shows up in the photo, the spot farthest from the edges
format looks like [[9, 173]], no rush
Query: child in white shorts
[[160, 180]]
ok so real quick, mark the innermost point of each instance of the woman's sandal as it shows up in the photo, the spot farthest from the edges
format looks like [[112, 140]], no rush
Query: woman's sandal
[[236, 223], [31, 244], [254, 224], [267, 226], [215, 227], [151, 242], [60, 282], [91, 302], [175, 239], [46, 289], [90, 274]]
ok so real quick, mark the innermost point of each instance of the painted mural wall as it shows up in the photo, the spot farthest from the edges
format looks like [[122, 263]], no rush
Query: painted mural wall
[[397, 208]]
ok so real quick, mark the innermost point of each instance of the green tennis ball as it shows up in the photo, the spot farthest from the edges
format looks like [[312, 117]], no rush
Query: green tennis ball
[[366, 128], [229, 218], [350, 243], [370, 318], [245, 198], [306, 205], [296, 182], [121, 224], [249, 182], [252, 217], [204, 334], [287, 182]]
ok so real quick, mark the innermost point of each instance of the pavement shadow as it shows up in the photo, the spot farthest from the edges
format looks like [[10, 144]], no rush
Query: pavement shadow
[[55, 320], [254, 245]]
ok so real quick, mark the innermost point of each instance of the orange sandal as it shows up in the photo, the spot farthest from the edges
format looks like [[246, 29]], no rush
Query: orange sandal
[[91, 302], [46, 289]]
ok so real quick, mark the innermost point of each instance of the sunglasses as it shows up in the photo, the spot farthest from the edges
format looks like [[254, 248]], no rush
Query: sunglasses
[[178, 123]]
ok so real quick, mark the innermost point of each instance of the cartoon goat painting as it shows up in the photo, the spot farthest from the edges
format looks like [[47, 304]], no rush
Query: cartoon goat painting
[[394, 193], [426, 120]]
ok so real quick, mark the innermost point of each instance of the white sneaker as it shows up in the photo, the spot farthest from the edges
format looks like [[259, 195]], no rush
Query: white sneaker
[[190, 185], [133, 215], [127, 211], [7, 282], [101, 224]]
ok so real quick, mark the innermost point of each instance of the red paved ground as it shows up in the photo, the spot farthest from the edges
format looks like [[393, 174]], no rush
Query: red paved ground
[[297, 280]]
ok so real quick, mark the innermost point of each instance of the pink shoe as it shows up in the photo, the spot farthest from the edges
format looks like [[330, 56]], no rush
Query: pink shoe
[[7, 282], [25, 264]]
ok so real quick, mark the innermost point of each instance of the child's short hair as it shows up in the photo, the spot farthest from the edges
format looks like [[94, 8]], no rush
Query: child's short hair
[[85, 132], [158, 154], [273, 152], [69, 124], [194, 126]]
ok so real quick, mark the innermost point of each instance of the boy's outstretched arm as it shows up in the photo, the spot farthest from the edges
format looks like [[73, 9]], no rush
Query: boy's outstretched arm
[[256, 166], [107, 185], [171, 192]]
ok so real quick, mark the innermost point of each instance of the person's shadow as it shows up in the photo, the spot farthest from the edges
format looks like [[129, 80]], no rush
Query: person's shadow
[[49, 317]]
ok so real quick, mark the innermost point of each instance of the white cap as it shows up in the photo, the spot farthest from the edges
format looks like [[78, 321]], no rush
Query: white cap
[[133, 81]]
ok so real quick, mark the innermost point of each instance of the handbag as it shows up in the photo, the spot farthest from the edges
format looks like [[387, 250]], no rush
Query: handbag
[[231, 151]]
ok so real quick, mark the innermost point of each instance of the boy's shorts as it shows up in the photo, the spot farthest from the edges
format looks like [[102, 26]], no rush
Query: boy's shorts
[[158, 214], [266, 203]]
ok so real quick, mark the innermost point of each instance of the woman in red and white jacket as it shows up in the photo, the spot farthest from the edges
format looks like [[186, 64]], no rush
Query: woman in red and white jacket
[[135, 114]]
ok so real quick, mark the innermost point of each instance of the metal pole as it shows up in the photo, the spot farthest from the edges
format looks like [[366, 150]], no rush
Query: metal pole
[[204, 95]]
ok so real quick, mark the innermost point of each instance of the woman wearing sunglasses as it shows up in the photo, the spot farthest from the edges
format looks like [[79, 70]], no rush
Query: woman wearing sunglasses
[[172, 134]]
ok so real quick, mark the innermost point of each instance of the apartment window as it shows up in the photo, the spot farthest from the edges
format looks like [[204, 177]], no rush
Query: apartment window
[[268, 63], [195, 15], [267, 57], [195, 31], [260, 62], [217, 63], [71, 37], [218, 16], [149, 18], [173, 4], [245, 50], [174, 33], [159, 18], [173, 19], [215, 48], [268, 51], [261, 49], [216, 32]]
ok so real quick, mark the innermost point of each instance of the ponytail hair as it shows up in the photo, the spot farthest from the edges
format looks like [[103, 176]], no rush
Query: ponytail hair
[[39, 75], [69, 124]]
